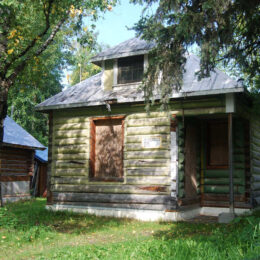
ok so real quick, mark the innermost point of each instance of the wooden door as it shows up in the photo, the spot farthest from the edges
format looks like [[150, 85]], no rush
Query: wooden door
[[191, 142], [108, 149]]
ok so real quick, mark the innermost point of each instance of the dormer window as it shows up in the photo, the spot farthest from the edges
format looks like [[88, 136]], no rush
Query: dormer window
[[130, 69]]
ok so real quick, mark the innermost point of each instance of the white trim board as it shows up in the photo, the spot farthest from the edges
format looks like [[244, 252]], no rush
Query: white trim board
[[214, 211]]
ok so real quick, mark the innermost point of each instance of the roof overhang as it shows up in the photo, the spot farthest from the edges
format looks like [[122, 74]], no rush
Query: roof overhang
[[132, 100], [23, 146], [98, 59]]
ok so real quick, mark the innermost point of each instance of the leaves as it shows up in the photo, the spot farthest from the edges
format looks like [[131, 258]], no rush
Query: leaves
[[82, 68], [9, 52], [28, 29], [27, 25], [224, 30]]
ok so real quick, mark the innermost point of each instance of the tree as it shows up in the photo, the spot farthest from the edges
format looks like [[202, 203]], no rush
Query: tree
[[225, 30], [82, 68], [38, 81], [27, 29]]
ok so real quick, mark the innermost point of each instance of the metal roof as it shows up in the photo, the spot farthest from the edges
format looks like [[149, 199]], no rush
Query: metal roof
[[90, 92], [16, 135], [131, 47], [42, 156]]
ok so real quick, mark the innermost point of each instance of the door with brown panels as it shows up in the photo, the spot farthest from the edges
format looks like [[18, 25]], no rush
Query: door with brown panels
[[107, 137], [191, 143]]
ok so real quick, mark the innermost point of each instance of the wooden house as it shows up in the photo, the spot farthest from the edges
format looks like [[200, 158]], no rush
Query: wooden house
[[16, 161], [108, 156]]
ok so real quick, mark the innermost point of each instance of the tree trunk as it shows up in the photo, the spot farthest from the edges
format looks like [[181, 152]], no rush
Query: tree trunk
[[4, 86]]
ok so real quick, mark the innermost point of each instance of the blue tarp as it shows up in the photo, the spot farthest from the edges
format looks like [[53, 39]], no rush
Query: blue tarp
[[42, 155]]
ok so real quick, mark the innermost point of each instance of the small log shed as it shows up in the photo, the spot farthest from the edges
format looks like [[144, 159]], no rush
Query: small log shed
[[16, 161]]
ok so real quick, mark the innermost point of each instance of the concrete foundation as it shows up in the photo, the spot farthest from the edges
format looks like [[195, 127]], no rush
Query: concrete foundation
[[143, 215], [211, 211], [226, 217]]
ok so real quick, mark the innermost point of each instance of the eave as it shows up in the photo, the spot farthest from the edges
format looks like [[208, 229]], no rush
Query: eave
[[132, 100]]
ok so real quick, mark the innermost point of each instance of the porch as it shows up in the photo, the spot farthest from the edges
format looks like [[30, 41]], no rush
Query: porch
[[214, 162]]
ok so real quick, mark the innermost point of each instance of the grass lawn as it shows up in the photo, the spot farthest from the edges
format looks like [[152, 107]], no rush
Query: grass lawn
[[28, 231]]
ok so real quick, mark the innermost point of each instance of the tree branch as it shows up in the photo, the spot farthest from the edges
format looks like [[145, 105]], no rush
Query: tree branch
[[51, 37], [41, 49], [33, 42]]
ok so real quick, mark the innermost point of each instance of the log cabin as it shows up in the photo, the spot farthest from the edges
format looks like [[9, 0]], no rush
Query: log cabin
[[107, 156], [16, 161]]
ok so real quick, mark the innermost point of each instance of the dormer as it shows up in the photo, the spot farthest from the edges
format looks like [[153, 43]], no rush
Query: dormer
[[124, 64]]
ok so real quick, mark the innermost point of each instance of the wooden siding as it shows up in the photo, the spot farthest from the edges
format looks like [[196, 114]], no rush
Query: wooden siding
[[17, 165], [70, 146], [146, 171], [50, 169], [181, 159], [16, 162], [148, 166], [255, 159], [216, 181]]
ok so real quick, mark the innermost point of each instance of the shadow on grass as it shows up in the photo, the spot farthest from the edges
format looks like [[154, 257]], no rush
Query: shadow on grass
[[242, 234], [242, 226], [237, 240], [184, 229], [31, 214]]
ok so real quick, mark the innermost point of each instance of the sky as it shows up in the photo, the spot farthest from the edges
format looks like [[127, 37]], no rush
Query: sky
[[112, 28]]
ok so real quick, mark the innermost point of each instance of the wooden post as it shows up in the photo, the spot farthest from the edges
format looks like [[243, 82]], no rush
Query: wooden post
[[230, 162], [50, 160]]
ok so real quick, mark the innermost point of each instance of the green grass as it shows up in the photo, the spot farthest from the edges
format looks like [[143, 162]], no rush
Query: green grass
[[28, 231]]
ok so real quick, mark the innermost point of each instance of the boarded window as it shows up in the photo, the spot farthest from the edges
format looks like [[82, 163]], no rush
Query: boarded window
[[217, 152], [130, 69], [107, 149]]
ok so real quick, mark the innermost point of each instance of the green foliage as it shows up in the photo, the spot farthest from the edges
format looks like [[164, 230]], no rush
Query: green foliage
[[224, 30], [29, 231], [27, 30], [38, 81], [26, 25], [35, 44], [82, 68]]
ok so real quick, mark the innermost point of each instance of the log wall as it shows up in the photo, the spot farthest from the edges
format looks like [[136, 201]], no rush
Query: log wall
[[181, 159], [255, 160], [17, 166], [146, 171], [216, 181], [147, 181]]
